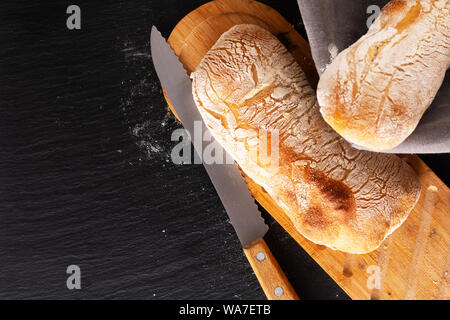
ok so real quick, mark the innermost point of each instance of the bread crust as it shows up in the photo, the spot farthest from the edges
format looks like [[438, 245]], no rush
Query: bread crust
[[375, 92], [350, 200]]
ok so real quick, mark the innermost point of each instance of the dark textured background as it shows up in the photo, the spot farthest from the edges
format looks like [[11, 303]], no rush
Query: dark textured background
[[85, 170]]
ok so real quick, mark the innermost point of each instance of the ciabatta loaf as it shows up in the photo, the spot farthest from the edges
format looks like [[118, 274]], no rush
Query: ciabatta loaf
[[249, 90], [375, 92]]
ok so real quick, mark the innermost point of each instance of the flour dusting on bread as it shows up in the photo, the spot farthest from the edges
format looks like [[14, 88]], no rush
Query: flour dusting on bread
[[375, 92], [335, 195]]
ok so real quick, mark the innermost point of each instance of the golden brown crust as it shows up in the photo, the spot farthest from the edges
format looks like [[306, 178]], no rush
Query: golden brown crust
[[375, 92], [248, 84]]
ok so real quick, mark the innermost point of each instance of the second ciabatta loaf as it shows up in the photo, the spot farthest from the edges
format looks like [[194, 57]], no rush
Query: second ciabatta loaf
[[375, 92], [249, 89]]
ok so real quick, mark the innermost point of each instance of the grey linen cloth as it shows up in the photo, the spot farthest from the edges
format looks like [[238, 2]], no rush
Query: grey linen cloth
[[333, 25]]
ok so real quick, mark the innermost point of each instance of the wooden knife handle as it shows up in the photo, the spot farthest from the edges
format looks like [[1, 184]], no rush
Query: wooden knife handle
[[270, 276]]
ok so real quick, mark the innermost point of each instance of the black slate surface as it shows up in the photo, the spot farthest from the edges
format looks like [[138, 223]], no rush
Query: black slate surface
[[85, 170]]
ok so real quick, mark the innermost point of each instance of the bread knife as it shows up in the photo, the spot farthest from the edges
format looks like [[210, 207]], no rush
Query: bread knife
[[226, 178]]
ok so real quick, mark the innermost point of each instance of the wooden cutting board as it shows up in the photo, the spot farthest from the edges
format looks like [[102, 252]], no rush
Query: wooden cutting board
[[400, 267]]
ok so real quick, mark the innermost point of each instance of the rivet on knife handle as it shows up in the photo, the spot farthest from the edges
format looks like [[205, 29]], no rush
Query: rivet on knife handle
[[270, 276]]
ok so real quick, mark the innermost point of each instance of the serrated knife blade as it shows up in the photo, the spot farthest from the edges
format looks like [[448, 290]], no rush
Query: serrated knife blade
[[226, 178]]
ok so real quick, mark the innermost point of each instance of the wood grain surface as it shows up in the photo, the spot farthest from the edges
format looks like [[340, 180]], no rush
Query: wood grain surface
[[191, 39]]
